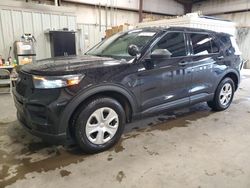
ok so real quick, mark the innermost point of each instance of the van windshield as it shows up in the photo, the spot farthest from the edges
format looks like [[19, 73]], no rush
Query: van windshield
[[117, 45]]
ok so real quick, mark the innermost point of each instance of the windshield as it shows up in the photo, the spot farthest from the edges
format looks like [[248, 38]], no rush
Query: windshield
[[117, 45]]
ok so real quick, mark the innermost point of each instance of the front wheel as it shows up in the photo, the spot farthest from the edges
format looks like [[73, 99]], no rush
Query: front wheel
[[99, 125], [223, 96]]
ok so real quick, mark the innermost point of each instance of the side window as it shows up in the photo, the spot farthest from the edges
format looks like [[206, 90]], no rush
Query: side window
[[174, 43], [201, 44]]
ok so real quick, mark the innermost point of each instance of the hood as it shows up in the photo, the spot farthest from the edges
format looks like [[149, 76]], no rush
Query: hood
[[70, 64]]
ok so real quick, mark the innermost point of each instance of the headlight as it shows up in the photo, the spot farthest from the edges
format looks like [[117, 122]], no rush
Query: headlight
[[46, 82]]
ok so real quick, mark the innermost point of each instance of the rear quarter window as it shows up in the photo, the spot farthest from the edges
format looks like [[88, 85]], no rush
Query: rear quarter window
[[235, 46], [230, 45]]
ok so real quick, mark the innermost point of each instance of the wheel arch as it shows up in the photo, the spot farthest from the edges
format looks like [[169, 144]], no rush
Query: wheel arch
[[234, 76], [124, 97]]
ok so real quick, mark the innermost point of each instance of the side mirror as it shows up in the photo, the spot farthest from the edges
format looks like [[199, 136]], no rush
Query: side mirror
[[160, 54], [133, 50]]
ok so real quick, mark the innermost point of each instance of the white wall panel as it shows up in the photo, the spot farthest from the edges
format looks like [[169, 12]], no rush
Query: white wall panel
[[55, 21], [7, 30], [72, 23], [39, 34], [46, 23], [1, 37], [63, 22], [89, 35], [27, 22], [15, 22], [243, 39]]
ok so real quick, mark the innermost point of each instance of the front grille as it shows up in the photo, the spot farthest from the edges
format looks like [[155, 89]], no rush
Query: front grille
[[20, 88], [24, 84]]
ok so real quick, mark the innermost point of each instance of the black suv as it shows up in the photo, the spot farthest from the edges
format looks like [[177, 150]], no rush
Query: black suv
[[89, 98]]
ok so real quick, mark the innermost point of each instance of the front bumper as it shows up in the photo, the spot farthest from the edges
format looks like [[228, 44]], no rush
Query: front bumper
[[51, 138], [40, 119]]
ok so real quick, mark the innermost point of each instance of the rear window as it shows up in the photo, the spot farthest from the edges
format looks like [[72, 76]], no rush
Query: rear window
[[203, 44]]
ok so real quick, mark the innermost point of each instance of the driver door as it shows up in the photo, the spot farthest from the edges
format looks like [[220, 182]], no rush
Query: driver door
[[166, 79]]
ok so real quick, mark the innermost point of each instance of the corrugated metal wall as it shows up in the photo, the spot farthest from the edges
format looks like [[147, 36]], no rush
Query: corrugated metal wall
[[14, 23], [89, 35]]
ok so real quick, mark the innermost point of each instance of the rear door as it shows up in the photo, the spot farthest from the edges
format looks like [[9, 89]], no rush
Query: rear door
[[204, 53]]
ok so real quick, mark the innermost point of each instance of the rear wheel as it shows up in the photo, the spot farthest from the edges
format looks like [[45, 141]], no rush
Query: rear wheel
[[99, 125], [223, 95]]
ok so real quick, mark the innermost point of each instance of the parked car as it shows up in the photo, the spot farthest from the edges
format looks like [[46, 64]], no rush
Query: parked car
[[90, 98]]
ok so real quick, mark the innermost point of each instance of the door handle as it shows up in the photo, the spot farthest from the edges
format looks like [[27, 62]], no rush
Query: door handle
[[183, 63]]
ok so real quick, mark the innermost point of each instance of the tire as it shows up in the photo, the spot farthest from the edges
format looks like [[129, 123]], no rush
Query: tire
[[99, 125], [217, 103]]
